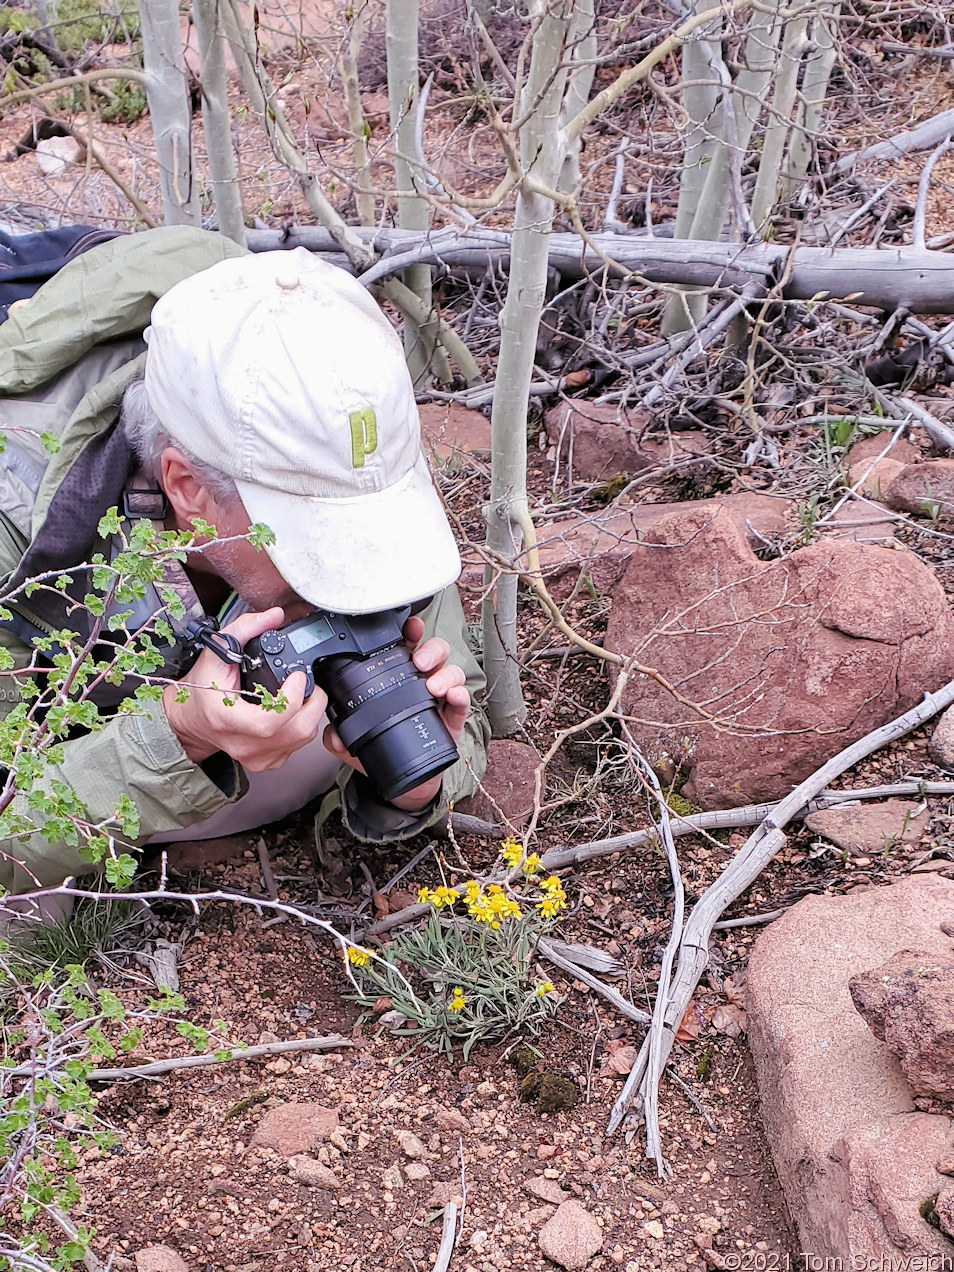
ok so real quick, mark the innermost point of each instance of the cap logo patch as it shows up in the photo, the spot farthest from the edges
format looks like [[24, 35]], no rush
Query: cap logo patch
[[364, 435]]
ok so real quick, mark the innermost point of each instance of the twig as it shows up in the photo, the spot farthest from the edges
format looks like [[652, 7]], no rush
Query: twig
[[117, 179], [610, 221], [732, 818], [622, 1005], [448, 1238], [750, 920], [924, 185], [757, 851], [201, 1062], [268, 879], [857, 215], [902, 408]]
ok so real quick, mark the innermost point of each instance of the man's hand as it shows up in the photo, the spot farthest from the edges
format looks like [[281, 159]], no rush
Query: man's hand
[[256, 738], [446, 683]]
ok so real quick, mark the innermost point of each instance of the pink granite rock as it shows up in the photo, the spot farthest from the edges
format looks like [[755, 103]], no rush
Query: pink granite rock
[[854, 1157], [908, 1003], [795, 657], [295, 1128], [572, 1237]]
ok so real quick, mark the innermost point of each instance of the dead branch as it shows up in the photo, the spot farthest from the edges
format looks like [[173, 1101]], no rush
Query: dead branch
[[757, 851], [158, 1067]]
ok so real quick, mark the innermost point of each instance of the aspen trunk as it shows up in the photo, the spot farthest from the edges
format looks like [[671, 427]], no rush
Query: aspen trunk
[[542, 152], [215, 117], [767, 184], [348, 66], [420, 342], [167, 91], [814, 91]]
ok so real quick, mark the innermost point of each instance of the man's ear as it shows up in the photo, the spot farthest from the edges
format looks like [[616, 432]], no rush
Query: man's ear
[[187, 498]]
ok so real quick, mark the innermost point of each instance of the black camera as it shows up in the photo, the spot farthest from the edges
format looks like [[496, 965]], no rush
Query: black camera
[[377, 699]]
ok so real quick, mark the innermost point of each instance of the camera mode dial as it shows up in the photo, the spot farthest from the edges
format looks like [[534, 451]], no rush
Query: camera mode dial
[[272, 642]]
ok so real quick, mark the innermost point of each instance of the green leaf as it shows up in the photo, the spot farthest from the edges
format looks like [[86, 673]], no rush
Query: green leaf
[[51, 443]]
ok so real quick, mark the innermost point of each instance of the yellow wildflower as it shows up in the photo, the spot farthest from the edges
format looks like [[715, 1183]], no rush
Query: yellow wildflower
[[438, 897], [532, 864], [554, 898], [458, 1000], [512, 852], [544, 988], [358, 956]]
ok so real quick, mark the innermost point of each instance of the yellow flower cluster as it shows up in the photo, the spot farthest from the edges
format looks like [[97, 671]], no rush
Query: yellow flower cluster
[[438, 897], [512, 853], [458, 1000], [492, 906], [544, 988], [358, 957], [554, 898]]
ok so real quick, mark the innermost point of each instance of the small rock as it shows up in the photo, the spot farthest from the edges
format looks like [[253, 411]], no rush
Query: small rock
[[294, 1128], [908, 1003], [416, 1171], [653, 1228], [53, 157], [870, 827], [925, 489], [546, 1150], [873, 476], [486, 1089], [452, 1120], [944, 1210], [942, 740], [392, 1180], [546, 1189], [363, 1141], [945, 1165], [411, 1146], [572, 1237], [449, 430], [709, 1224], [478, 1240], [306, 1170], [445, 1190], [159, 1258]]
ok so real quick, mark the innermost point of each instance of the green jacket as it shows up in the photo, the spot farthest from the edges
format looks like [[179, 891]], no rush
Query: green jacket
[[66, 357]]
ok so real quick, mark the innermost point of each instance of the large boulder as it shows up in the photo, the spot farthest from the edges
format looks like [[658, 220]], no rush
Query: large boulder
[[769, 668], [603, 544], [508, 787], [908, 1003], [855, 1159]]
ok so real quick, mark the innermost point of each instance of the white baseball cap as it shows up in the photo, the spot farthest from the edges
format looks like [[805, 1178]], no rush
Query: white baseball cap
[[280, 370]]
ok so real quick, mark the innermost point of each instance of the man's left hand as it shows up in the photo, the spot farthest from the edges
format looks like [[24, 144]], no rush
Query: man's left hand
[[445, 682]]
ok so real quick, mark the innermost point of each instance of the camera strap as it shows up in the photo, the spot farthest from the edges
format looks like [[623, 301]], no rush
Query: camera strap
[[204, 633]]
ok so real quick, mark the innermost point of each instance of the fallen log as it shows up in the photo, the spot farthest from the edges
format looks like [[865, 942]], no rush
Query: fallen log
[[918, 279]]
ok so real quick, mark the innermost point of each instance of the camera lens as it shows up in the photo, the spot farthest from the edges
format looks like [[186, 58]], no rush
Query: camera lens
[[386, 718]]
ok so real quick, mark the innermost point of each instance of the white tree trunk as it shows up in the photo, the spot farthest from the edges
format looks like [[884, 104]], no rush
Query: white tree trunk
[[215, 116], [542, 152], [420, 343], [348, 66], [583, 51], [814, 91], [700, 95], [167, 91], [767, 184]]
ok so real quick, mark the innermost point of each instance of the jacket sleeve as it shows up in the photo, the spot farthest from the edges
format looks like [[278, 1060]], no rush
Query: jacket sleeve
[[137, 755], [364, 813]]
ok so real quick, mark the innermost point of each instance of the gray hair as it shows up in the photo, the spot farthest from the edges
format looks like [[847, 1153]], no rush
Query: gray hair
[[149, 438]]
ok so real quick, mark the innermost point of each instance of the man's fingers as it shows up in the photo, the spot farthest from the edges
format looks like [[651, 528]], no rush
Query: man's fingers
[[432, 654], [414, 630], [246, 626], [446, 678]]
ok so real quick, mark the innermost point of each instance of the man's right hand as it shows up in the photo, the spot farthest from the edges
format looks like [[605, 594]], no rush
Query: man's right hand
[[255, 738]]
